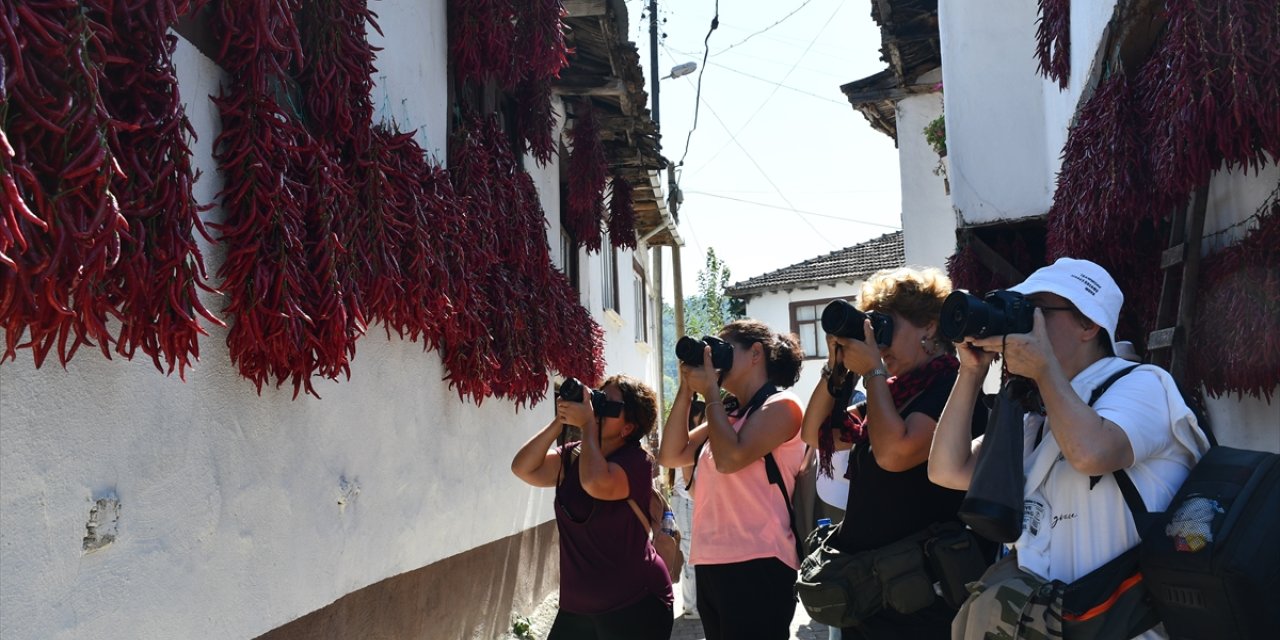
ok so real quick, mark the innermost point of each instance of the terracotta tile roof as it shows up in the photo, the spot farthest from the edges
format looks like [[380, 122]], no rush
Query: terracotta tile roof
[[843, 265]]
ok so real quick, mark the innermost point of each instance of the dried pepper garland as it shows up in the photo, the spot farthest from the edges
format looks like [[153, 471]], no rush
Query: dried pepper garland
[[519, 45], [622, 214], [64, 233], [1236, 333], [1209, 91], [263, 155], [523, 327], [161, 269], [1053, 40], [967, 271], [1105, 194], [588, 174]]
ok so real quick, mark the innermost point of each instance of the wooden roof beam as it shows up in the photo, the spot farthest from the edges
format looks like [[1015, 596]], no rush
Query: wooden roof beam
[[585, 8]]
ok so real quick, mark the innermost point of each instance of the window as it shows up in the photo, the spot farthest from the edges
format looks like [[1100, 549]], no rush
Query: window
[[806, 322], [642, 304], [609, 279], [569, 258]]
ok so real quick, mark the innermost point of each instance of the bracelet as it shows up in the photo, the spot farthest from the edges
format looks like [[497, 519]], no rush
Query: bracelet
[[711, 402], [878, 371], [826, 370]]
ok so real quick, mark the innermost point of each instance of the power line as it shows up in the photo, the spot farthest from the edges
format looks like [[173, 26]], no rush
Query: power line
[[697, 100], [779, 84], [813, 41], [807, 213], [780, 21], [765, 175]]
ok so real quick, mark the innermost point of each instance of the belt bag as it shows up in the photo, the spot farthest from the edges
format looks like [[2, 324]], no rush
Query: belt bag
[[846, 589], [1108, 603]]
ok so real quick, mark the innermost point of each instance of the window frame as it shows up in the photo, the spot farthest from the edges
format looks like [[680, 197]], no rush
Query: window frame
[[817, 321], [642, 303]]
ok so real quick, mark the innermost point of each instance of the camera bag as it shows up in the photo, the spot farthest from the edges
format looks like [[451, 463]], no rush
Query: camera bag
[[1210, 562]]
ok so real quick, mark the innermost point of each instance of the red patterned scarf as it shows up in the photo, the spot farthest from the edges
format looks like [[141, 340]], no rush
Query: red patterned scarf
[[903, 389]]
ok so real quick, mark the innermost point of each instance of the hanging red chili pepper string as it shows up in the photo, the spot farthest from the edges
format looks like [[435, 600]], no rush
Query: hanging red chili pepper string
[[1053, 40], [588, 173], [622, 214], [61, 182], [1236, 333], [158, 280]]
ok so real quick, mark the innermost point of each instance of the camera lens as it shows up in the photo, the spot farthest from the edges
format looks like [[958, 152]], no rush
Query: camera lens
[[843, 320], [689, 351], [571, 389], [963, 315]]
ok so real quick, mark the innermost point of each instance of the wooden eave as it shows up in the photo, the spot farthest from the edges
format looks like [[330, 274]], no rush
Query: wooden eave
[[605, 68], [911, 47]]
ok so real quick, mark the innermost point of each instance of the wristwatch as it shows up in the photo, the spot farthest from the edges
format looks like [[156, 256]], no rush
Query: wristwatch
[[826, 370], [878, 371]]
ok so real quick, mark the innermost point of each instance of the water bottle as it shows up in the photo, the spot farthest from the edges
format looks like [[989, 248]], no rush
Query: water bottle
[[669, 523]]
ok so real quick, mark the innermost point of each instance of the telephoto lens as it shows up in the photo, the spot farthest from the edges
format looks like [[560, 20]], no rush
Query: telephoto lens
[[844, 320], [572, 389], [1002, 312], [689, 351]]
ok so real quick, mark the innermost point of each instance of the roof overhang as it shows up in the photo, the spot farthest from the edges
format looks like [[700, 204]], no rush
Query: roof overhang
[[910, 44], [605, 67]]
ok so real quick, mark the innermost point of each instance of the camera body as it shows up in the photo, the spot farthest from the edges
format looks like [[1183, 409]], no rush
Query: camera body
[[689, 351], [572, 389], [844, 320], [999, 313]]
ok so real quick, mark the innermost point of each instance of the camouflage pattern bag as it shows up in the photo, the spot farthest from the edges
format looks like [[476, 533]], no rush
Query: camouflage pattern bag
[[1008, 603]]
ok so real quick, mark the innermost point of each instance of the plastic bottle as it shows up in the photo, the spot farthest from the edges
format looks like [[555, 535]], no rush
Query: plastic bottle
[[669, 523]]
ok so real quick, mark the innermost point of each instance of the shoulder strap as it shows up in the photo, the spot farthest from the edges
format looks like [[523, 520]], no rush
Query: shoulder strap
[[757, 401], [1132, 499], [643, 520], [774, 474]]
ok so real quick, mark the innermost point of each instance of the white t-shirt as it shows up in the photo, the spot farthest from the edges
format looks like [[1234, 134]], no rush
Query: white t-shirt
[[835, 490], [1069, 529]]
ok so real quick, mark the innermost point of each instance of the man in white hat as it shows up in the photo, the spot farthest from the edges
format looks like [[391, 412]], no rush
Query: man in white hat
[[1075, 517]]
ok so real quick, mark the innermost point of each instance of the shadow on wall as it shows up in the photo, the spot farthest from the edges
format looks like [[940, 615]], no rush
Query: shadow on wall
[[470, 595]]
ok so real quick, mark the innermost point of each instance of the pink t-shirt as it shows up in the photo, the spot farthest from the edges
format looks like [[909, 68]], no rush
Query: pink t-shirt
[[740, 516]]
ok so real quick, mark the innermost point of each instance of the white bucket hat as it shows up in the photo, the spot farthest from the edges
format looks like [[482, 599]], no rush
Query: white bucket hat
[[1086, 285]]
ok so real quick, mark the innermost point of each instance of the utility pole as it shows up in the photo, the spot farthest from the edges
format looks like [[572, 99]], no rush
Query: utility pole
[[657, 250]]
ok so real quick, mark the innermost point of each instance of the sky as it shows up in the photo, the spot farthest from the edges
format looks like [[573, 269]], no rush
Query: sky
[[780, 168]]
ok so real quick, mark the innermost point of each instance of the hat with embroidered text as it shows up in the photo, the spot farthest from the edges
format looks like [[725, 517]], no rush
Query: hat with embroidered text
[[1086, 285]]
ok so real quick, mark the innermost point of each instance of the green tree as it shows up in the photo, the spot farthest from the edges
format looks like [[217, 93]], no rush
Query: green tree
[[704, 313]]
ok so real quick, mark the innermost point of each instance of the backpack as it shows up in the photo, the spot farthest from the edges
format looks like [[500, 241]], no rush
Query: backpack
[[1211, 561], [667, 545]]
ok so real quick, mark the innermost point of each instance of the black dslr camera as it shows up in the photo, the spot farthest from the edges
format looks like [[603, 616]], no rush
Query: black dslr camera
[[999, 313], [843, 320], [689, 351], [572, 390]]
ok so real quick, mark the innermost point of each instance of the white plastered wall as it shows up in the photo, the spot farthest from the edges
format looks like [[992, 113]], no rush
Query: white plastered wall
[[240, 512], [928, 221], [774, 309]]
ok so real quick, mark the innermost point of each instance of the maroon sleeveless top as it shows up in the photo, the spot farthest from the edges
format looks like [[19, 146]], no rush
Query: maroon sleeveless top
[[606, 559]]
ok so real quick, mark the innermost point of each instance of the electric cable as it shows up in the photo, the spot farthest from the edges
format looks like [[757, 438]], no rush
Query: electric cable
[[800, 211], [697, 99], [780, 21]]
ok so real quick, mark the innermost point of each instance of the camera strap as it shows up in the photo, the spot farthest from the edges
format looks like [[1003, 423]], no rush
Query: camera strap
[[756, 402]]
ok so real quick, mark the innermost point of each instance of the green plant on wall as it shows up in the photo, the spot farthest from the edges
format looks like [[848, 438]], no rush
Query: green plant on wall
[[935, 133]]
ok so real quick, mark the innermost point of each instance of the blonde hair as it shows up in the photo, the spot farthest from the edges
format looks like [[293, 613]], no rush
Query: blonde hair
[[915, 294]]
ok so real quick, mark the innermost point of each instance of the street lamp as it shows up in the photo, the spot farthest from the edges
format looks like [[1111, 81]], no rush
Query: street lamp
[[681, 70]]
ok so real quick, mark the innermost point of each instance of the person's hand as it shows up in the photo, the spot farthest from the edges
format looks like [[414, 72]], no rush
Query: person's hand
[[833, 352], [861, 356], [974, 358], [577, 414], [703, 380], [1029, 355]]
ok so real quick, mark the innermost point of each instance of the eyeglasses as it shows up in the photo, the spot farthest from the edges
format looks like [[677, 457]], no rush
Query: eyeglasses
[[1044, 308]]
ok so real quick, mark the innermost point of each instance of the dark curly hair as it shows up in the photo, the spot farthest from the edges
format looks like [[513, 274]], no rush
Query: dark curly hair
[[782, 351], [640, 404]]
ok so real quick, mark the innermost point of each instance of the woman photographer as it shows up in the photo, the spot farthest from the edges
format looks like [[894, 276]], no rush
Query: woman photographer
[[907, 384], [744, 553], [612, 582]]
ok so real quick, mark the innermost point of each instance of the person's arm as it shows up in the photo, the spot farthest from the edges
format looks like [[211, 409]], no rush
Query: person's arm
[[898, 444], [601, 479], [679, 443], [954, 451], [534, 463], [1091, 445]]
